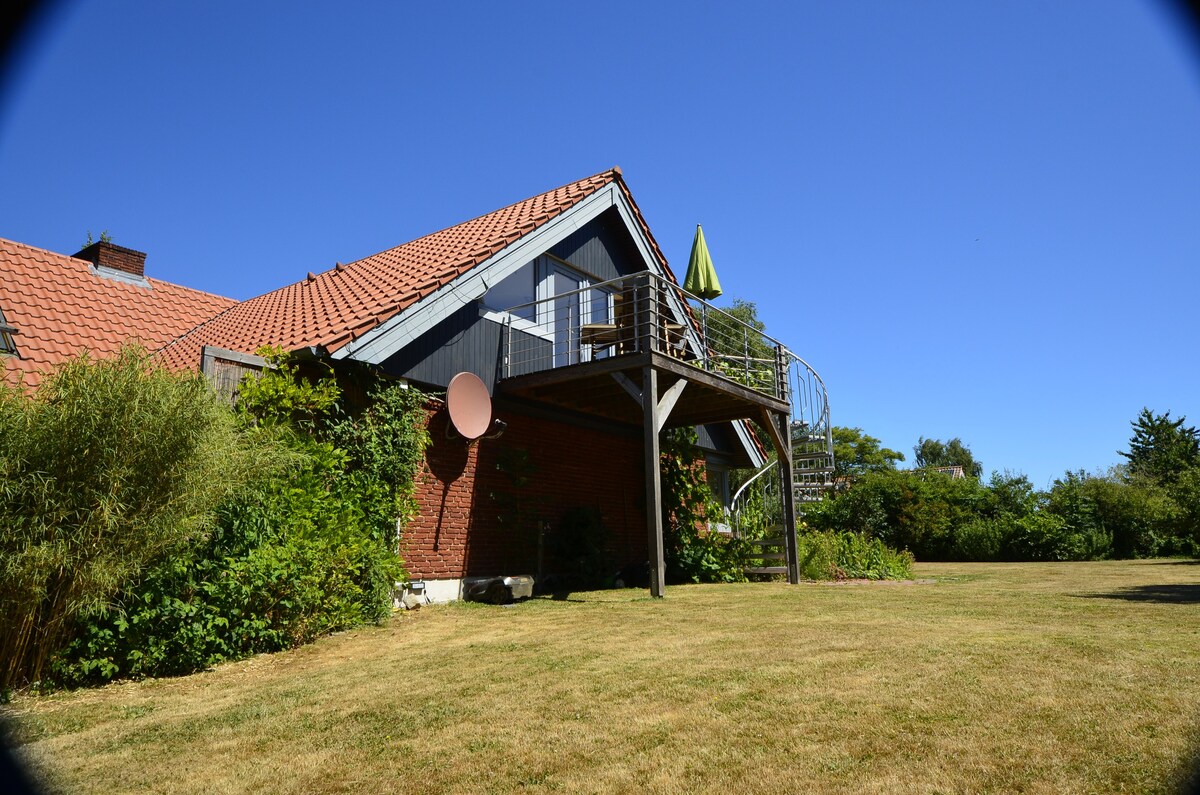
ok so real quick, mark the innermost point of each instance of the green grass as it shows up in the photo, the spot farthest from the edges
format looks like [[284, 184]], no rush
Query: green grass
[[1055, 678]]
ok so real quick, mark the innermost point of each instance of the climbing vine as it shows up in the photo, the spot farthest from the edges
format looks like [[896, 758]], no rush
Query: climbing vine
[[694, 551]]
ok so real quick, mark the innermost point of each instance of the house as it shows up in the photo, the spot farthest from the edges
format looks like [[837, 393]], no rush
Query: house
[[564, 306], [53, 306]]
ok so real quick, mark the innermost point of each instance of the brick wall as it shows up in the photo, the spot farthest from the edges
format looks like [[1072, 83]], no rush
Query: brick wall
[[107, 255], [458, 531]]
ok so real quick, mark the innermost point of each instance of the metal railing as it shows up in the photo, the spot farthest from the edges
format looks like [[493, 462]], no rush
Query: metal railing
[[646, 312], [635, 314]]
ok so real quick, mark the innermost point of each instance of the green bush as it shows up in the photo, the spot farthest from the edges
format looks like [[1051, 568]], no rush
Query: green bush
[[300, 551], [108, 466], [840, 556], [983, 539], [289, 560], [577, 545], [917, 511], [1044, 536], [1126, 518], [1186, 494], [707, 556]]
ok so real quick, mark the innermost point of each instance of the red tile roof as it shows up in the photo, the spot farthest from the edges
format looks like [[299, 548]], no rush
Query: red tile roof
[[330, 309], [60, 307]]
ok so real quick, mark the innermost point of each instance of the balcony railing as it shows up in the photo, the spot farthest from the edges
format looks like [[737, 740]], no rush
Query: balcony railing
[[647, 313], [639, 314]]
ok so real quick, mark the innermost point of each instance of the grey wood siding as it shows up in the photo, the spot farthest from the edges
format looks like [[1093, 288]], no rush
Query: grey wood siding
[[529, 353], [721, 444], [462, 342], [601, 248]]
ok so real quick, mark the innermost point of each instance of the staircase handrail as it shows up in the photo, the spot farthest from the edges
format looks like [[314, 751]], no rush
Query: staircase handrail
[[756, 476], [736, 506]]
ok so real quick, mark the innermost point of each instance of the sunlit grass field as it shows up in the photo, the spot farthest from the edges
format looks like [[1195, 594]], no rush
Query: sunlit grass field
[[1054, 678]]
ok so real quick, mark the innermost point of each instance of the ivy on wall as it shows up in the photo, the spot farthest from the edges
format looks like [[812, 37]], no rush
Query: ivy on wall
[[694, 552]]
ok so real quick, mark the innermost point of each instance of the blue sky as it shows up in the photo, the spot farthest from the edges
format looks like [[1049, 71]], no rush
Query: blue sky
[[974, 219]]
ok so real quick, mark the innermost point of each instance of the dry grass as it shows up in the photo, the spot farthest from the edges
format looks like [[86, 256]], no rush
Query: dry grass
[[1050, 678]]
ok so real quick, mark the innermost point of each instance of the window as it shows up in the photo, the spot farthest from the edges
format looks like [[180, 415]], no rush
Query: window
[[718, 482], [8, 345], [575, 304], [564, 315], [550, 300], [516, 292]]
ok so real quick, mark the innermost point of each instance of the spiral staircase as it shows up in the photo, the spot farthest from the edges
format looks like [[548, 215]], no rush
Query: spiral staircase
[[756, 510]]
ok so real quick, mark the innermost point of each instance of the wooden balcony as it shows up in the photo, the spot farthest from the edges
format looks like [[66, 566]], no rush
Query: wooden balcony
[[641, 351], [588, 351]]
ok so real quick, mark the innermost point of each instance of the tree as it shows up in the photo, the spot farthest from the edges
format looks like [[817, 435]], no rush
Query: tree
[[935, 453], [736, 336], [1162, 449], [855, 453]]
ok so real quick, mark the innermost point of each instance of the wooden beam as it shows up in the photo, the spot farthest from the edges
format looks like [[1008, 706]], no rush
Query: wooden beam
[[776, 425], [574, 372], [717, 382], [654, 528], [668, 402], [628, 386]]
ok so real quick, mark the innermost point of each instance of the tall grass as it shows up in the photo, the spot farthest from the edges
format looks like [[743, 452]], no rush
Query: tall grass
[[106, 466], [850, 556]]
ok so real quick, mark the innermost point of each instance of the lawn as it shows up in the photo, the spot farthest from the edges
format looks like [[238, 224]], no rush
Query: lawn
[[1055, 678]]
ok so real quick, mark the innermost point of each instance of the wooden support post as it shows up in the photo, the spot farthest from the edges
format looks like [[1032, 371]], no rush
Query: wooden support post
[[648, 322], [654, 528], [789, 502], [777, 426]]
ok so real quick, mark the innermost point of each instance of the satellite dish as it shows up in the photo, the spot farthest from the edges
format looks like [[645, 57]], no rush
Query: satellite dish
[[469, 404]]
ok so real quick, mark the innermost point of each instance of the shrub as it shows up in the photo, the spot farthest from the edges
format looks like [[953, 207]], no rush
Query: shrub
[[288, 560], [1044, 536], [302, 550], [983, 539], [384, 446], [917, 511], [578, 546], [109, 465], [1186, 494], [840, 556], [1133, 518]]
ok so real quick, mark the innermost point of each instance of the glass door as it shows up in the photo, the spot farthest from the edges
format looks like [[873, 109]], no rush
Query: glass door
[[567, 309], [574, 314]]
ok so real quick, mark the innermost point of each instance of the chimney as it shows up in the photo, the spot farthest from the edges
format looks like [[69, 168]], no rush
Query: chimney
[[106, 255]]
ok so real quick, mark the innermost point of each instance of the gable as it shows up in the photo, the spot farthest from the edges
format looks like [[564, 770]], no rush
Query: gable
[[346, 310], [639, 251], [603, 248], [467, 338]]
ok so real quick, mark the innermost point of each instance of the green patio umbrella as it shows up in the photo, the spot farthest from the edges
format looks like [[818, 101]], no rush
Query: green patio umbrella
[[701, 277]]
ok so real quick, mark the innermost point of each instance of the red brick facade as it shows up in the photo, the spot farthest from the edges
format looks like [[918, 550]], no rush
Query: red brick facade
[[475, 517]]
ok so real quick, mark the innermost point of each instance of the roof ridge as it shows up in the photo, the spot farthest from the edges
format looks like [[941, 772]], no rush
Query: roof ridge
[[645, 225], [329, 308], [85, 263], [43, 250], [614, 172], [311, 276], [193, 289]]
